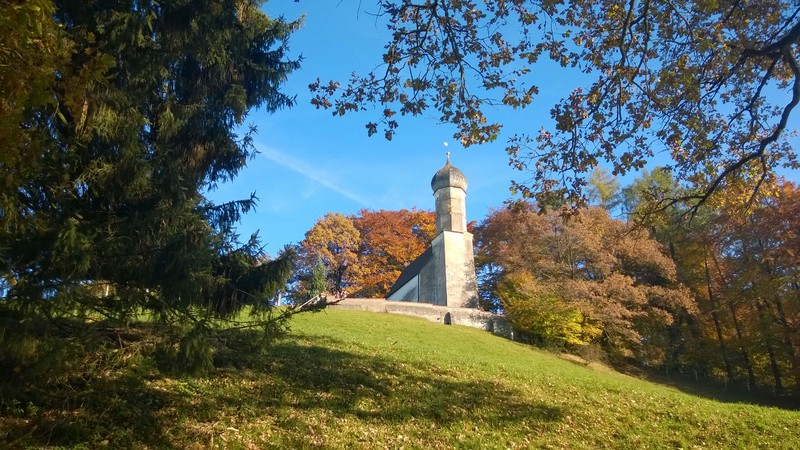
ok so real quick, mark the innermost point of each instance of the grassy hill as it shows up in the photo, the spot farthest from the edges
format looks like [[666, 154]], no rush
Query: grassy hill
[[347, 379]]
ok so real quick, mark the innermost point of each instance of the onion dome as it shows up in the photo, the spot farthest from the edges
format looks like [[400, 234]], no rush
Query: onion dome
[[449, 176]]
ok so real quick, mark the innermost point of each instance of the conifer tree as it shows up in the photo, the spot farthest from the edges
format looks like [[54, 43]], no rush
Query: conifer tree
[[318, 282], [103, 203]]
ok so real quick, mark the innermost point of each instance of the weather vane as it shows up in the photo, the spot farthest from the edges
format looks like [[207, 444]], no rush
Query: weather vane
[[448, 156]]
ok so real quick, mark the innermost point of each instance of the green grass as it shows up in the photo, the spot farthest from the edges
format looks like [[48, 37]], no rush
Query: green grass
[[346, 379]]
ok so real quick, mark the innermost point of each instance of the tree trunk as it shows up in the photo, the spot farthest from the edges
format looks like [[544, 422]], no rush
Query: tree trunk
[[794, 358], [773, 362], [717, 325], [751, 377], [780, 318]]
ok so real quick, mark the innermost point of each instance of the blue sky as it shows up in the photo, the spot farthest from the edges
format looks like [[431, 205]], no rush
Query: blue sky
[[311, 163]]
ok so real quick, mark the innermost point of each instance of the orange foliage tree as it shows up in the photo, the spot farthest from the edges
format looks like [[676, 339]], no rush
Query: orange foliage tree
[[739, 257], [609, 283], [365, 253], [390, 241]]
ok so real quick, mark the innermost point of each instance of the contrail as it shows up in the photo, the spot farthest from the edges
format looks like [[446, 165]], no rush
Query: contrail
[[313, 173]]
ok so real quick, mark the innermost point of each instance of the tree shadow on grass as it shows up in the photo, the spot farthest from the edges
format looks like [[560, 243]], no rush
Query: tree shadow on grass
[[380, 389], [719, 391], [121, 412], [291, 381]]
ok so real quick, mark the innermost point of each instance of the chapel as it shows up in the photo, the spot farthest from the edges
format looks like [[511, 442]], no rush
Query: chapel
[[444, 274]]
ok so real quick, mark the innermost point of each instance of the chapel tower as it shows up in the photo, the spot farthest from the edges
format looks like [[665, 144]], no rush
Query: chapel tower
[[453, 256], [450, 191], [445, 274]]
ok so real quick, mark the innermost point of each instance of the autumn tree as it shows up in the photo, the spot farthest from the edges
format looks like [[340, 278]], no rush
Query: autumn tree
[[365, 253], [729, 255], [712, 84], [507, 241], [757, 274], [585, 279], [391, 240], [335, 241], [779, 261]]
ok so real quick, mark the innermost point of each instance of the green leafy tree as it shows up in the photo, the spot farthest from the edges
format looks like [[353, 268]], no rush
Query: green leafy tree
[[31, 50], [124, 134], [650, 201], [604, 190], [713, 84], [318, 282]]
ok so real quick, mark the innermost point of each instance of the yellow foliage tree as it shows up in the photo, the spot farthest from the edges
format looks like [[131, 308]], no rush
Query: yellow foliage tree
[[335, 241], [537, 310]]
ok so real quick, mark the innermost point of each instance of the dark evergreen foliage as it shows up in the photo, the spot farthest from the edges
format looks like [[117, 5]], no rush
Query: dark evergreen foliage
[[102, 205]]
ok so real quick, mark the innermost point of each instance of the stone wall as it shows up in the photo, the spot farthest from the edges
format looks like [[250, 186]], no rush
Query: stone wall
[[442, 314]]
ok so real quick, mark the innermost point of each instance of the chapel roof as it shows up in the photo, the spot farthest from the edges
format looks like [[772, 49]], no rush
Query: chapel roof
[[411, 271], [449, 176]]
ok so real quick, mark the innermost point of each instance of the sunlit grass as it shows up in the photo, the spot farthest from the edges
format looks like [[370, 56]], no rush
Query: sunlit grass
[[346, 379]]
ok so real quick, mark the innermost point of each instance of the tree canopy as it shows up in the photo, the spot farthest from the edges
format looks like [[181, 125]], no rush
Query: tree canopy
[[335, 242], [589, 279], [117, 119], [711, 84], [737, 257], [365, 253]]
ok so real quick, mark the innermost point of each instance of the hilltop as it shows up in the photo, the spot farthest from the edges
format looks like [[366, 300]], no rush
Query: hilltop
[[349, 379]]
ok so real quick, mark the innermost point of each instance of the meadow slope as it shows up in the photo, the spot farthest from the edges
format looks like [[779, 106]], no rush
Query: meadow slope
[[347, 379]]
